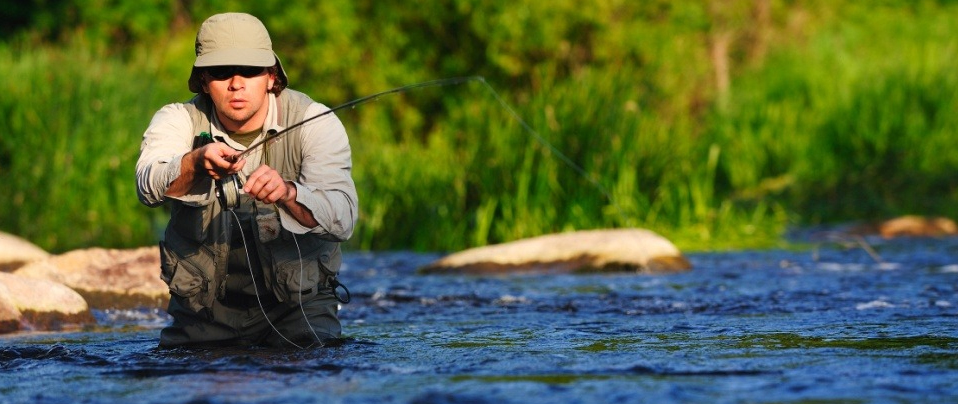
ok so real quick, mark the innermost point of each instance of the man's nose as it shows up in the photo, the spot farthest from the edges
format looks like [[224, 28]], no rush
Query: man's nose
[[237, 82]]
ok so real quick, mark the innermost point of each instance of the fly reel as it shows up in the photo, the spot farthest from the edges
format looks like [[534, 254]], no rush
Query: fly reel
[[229, 190]]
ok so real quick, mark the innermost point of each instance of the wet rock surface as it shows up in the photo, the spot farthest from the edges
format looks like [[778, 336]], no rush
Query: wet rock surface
[[42, 304], [106, 278], [15, 252], [41, 291], [614, 250]]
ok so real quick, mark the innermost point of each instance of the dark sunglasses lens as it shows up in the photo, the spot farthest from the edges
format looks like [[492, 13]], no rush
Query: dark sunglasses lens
[[225, 72]]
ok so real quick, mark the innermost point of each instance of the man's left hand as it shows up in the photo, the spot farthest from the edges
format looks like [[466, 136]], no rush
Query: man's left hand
[[267, 186]]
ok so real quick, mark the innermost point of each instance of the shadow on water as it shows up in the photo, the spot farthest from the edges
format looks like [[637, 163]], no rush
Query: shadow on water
[[771, 326]]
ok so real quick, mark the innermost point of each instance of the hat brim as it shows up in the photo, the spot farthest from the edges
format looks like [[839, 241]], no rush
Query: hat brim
[[237, 57]]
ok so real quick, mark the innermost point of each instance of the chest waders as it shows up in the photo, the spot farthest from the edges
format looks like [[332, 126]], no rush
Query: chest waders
[[194, 254]]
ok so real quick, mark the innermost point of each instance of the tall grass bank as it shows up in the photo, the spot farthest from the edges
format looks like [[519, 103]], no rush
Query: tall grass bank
[[717, 124]]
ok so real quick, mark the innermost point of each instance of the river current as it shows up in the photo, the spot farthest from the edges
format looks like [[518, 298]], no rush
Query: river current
[[823, 325]]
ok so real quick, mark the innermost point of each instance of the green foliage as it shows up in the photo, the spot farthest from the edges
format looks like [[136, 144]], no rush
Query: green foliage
[[834, 111], [858, 127], [66, 154]]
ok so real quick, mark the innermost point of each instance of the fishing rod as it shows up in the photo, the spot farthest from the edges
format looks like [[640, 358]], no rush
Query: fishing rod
[[230, 194], [273, 135], [228, 189]]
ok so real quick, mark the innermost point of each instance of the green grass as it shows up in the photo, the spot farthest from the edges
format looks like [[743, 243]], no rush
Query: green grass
[[854, 120]]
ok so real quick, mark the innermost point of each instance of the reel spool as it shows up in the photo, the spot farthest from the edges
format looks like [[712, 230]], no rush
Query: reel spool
[[229, 190]]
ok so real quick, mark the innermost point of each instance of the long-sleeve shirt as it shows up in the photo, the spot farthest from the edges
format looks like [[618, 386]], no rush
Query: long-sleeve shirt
[[325, 185]]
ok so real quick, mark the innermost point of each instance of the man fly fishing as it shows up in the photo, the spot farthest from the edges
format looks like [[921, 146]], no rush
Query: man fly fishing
[[252, 248]]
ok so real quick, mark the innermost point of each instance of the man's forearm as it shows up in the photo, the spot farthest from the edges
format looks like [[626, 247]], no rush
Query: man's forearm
[[299, 212], [188, 173]]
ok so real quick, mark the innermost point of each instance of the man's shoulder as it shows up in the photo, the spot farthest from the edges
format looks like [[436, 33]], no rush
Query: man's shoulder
[[176, 110], [196, 103], [296, 97], [199, 102], [185, 115]]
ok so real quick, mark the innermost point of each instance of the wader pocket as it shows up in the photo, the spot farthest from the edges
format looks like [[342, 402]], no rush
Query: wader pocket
[[296, 278], [183, 279], [295, 274]]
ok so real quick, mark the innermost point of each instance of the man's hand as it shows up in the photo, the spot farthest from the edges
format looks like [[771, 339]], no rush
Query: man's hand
[[267, 186], [213, 160], [217, 160]]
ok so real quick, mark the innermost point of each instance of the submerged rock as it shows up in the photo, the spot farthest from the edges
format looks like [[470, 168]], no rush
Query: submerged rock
[[107, 278], [15, 252], [624, 250], [40, 304]]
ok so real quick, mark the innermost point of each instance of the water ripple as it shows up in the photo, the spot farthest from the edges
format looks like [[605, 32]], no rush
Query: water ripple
[[767, 326]]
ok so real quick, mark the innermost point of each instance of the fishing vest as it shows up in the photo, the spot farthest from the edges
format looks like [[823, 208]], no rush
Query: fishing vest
[[195, 249]]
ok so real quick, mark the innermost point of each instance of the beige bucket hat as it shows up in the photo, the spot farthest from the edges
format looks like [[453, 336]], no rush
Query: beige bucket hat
[[233, 39]]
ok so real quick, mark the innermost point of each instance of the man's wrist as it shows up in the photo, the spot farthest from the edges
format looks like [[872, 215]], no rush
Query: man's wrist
[[290, 193]]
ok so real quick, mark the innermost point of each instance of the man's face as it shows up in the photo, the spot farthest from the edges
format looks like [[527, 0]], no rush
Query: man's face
[[240, 95]]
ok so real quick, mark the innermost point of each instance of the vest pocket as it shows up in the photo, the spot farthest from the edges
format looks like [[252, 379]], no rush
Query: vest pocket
[[296, 275], [191, 222], [183, 278]]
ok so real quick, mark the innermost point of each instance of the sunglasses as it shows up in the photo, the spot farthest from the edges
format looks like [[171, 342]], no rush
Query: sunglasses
[[225, 72]]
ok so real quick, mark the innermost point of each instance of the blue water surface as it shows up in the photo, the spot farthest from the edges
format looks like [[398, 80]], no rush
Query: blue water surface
[[823, 325]]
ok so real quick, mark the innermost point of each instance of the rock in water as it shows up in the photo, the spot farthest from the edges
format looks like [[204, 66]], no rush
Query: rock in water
[[918, 226], [9, 314], [107, 278], [15, 252], [43, 304], [632, 250]]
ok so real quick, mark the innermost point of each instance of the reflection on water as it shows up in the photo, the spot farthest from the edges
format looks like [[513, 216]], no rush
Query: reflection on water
[[777, 326]]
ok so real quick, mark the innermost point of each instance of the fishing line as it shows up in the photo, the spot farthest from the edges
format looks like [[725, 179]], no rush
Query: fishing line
[[249, 263], [230, 195], [565, 159], [272, 135], [301, 308]]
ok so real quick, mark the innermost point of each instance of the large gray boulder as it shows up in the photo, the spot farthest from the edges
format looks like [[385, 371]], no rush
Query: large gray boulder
[[631, 250], [15, 252], [107, 278], [39, 304]]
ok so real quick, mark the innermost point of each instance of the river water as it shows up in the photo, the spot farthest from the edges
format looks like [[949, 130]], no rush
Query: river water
[[830, 324]]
